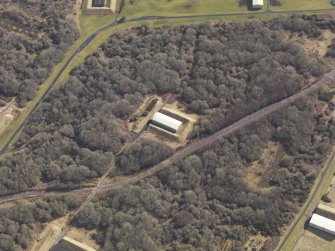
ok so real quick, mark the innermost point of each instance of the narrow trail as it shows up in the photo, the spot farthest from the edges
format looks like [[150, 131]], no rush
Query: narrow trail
[[11, 139], [193, 147], [198, 145], [221, 134]]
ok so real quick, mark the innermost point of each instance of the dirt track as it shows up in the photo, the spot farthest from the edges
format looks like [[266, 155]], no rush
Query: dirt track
[[216, 137], [194, 147]]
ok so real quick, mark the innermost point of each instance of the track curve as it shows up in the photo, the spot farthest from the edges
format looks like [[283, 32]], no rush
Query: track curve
[[192, 148], [4, 148]]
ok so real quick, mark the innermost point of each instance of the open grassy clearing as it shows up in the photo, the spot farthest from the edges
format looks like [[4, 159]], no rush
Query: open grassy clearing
[[314, 47], [49, 234], [83, 236], [181, 7], [88, 24], [257, 169], [302, 5], [255, 242], [7, 114]]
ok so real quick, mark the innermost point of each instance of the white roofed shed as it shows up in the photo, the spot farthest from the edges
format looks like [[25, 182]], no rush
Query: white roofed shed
[[322, 223], [257, 4], [166, 122]]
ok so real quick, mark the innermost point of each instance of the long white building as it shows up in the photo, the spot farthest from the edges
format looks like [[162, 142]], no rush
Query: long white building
[[322, 223], [166, 122], [257, 4]]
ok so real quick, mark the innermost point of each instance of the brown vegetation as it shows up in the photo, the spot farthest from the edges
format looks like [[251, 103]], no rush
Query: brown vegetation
[[221, 72], [33, 38]]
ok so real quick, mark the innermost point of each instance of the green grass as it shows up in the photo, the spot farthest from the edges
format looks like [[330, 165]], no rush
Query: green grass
[[181, 7], [88, 24], [302, 5], [293, 238]]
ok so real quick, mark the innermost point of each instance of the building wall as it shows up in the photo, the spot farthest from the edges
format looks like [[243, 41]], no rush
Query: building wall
[[163, 126], [167, 122], [322, 223], [322, 229]]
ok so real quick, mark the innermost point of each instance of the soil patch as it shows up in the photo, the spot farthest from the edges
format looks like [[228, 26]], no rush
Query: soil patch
[[7, 115], [255, 242], [256, 170]]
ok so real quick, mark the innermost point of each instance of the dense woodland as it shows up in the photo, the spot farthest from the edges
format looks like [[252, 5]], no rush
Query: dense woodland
[[18, 222], [219, 71], [34, 34], [206, 199], [141, 155]]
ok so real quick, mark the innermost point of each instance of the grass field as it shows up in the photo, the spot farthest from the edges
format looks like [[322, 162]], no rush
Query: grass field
[[90, 23], [302, 5], [181, 7]]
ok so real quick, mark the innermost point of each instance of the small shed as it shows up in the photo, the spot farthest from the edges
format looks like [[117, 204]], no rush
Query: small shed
[[257, 4], [322, 223], [98, 3], [166, 122]]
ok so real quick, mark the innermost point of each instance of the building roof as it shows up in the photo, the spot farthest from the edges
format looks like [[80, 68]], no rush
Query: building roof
[[257, 2], [323, 223], [167, 121], [98, 3]]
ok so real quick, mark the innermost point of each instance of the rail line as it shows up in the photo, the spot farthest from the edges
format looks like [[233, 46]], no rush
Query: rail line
[[196, 146], [14, 134], [192, 148]]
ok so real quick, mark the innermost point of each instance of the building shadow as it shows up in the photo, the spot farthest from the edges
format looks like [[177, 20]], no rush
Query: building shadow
[[322, 234]]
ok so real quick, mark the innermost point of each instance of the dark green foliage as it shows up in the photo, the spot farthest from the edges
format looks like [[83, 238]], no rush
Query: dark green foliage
[[43, 33], [141, 155], [152, 104], [220, 71], [17, 221], [326, 96], [325, 198], [205, 199]]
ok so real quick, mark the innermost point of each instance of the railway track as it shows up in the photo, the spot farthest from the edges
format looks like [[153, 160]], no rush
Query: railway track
[[13, 135], [192, 148]]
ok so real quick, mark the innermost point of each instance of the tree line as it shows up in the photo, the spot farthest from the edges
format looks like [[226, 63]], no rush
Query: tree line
[[36, 35], [221, 71], [205, 199]]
